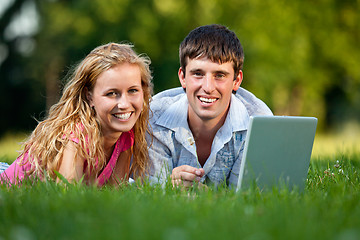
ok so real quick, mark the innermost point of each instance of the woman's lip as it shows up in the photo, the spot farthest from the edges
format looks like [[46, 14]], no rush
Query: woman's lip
[[123, 116]]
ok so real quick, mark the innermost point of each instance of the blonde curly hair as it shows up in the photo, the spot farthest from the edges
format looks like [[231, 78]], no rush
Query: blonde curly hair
[[46, 144]]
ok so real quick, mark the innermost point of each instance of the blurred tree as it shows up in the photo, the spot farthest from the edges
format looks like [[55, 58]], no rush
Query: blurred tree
[[301, 57], [19, 96]]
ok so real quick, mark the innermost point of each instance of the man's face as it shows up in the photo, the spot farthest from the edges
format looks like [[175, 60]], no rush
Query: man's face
[[209, 86]]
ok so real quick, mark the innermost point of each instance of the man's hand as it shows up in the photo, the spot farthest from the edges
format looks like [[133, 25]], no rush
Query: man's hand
[[186, 175]]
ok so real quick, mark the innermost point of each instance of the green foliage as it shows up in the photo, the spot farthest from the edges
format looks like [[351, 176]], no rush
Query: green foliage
[[328, 209], [301, 57]]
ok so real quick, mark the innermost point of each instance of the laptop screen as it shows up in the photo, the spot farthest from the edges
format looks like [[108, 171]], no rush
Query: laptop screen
[[277, 151]]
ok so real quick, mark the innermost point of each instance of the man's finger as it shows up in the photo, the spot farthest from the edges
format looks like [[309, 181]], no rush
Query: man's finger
[[186, 176], [189, 169]]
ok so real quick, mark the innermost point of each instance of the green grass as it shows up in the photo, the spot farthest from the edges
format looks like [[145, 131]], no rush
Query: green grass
[[329, 208], [10, 145]]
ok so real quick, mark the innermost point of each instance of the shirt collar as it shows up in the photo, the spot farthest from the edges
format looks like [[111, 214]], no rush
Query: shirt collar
[[174, 117], [238, 117]]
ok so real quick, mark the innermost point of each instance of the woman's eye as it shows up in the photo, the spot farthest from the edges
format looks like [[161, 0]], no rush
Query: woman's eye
[[110, 94], [133, 90]]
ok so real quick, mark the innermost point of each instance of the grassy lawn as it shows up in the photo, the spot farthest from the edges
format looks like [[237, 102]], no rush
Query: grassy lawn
[[10, 145], [329, 208]]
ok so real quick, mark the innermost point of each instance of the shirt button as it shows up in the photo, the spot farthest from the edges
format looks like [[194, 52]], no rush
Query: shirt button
[[191, 141]]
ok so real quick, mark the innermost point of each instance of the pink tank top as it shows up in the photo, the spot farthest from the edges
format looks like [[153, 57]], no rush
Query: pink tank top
[[16, 172]]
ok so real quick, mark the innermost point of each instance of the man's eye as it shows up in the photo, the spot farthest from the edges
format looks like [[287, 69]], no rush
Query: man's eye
[[198, 74], [220, 75]]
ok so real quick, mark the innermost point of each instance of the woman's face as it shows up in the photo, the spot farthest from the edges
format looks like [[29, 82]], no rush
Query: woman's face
[[118, 98]]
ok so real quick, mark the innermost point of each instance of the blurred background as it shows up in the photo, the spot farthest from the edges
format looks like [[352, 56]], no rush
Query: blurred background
[[301, 57]]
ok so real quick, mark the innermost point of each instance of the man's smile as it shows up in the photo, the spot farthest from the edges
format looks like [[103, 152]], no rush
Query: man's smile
[[207, 100]]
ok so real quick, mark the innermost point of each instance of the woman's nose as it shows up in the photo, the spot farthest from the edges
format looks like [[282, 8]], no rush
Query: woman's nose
[[123, 101]]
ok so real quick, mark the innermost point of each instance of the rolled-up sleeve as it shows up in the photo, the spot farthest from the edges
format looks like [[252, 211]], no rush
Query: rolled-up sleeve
[[160, 160]]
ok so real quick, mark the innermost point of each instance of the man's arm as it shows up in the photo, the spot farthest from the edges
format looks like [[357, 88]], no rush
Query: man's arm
[[234, 173], [160, 160], [161, 166]]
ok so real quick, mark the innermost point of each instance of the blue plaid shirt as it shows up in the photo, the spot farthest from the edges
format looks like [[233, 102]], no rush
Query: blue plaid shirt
[[3, 166], [172, 143]]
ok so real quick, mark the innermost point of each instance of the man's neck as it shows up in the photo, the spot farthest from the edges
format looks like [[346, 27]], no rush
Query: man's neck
[[204, 133]]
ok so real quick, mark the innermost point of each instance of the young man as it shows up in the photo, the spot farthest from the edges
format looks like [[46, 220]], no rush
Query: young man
[[199, 130]]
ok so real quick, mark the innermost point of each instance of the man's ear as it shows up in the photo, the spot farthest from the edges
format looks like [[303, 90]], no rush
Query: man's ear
[[89, 97], [237, 81], [181, 75]]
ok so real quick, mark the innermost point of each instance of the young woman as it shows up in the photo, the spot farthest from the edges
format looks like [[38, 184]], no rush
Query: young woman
[[96, 132]]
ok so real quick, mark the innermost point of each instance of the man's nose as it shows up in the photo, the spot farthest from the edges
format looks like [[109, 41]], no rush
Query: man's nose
[[208, 83]]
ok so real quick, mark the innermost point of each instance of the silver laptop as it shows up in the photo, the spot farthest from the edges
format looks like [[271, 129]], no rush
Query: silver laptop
[[277, 152]]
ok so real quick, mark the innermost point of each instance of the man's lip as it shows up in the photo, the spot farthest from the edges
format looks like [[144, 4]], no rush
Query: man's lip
[[207, 99]]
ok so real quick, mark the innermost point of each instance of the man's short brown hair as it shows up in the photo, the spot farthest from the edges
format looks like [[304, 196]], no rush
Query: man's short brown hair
[[215, 42]]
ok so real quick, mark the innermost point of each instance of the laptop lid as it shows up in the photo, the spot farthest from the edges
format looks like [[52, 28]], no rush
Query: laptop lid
[[277, 151]]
